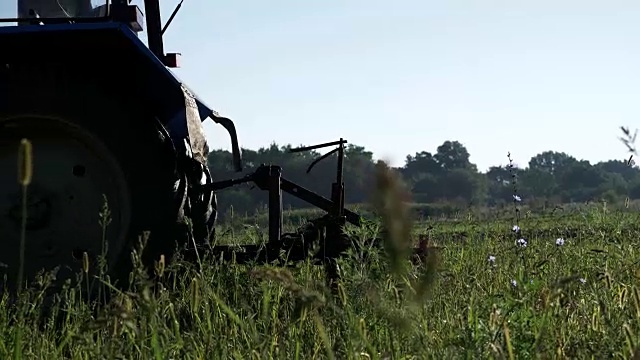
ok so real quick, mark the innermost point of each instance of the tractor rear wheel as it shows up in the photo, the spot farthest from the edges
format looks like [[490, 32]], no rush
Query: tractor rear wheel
[[88, 146]]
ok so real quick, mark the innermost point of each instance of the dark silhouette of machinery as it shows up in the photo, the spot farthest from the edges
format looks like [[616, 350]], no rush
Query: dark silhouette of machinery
[[109, 120]]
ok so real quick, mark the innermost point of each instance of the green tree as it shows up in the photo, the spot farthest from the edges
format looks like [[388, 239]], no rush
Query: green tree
[[421, 163], [551, 162], [499, 186], [580, 181], [463, 184], [621, 167], [453, 155]]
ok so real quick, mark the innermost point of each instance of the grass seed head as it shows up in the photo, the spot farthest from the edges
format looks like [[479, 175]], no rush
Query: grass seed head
[[25, 162]]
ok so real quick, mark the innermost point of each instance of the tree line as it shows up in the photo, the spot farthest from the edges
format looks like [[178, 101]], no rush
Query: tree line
[[443, 176]]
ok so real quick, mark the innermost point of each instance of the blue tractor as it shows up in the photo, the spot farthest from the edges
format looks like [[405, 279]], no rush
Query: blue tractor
[[108, 120]]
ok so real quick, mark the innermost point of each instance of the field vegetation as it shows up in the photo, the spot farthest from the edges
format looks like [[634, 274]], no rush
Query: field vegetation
[[492, 282]]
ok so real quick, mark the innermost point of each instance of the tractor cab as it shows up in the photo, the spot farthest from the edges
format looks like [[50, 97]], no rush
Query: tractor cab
[[33, 9], [45, 12]]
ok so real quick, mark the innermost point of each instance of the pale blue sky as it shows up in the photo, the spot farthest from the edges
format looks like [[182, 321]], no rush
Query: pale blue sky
[[400, 77]]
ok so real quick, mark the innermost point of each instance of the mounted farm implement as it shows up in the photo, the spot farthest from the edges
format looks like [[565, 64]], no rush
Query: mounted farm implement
[[108, 119]]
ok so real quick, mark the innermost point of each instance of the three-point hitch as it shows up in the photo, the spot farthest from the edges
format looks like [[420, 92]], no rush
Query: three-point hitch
[[326, 232]]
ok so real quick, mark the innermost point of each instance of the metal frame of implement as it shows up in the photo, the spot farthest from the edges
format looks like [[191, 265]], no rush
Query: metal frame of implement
[[269, 178]]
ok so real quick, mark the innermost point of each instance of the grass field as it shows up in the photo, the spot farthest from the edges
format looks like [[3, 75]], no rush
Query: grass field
[[527, 287], [578, 300]]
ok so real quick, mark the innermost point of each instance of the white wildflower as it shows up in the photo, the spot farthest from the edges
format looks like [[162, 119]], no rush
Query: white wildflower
[[492, 259], [514, 283], [517, 198], [521, 243], [583, 280], [516, 228], [559, 241]]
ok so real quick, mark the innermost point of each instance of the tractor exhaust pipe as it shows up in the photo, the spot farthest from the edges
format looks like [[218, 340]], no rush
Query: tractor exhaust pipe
[[154, 27]]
